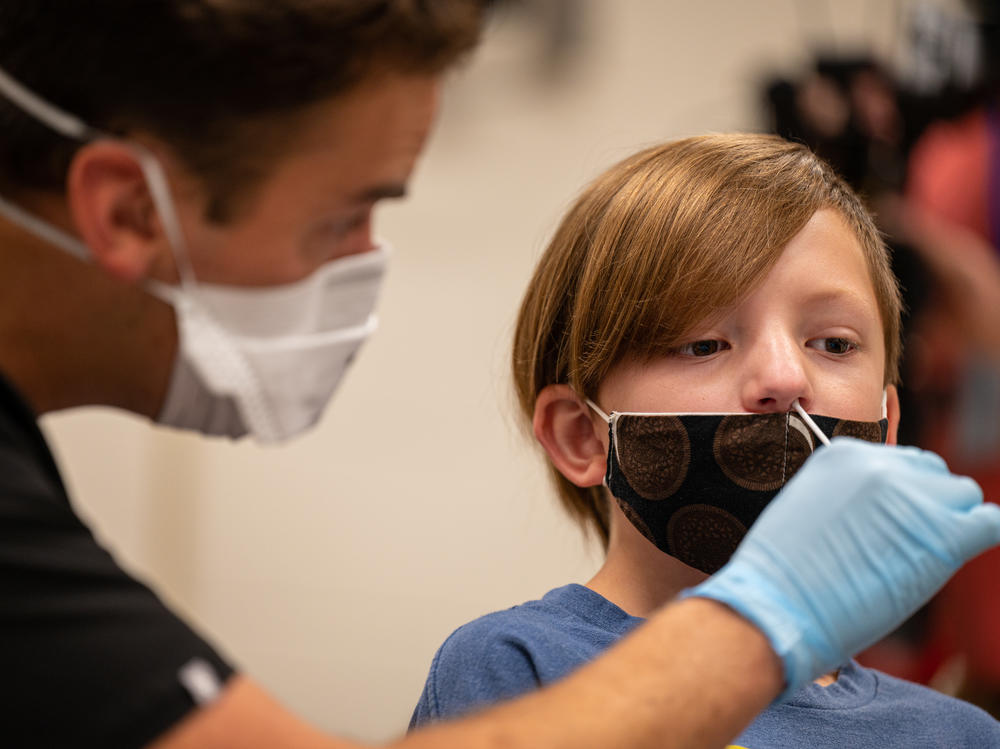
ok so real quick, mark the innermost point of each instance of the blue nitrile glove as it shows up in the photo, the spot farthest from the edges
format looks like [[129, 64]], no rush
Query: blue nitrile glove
[[859, 538]]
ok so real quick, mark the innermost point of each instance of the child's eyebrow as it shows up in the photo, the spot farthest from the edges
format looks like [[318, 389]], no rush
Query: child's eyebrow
[[838, 297]]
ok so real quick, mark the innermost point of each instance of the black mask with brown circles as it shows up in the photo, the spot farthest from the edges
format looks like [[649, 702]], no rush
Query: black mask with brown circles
[[694, 483]]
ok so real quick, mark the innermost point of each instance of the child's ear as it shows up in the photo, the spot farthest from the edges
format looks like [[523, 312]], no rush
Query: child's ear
[[574, 438], [892, 413]]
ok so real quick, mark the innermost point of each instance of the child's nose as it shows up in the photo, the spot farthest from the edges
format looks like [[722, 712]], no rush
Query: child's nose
[[775, 377]]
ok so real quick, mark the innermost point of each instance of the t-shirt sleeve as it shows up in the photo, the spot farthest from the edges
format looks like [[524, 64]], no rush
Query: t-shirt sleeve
[[91, 657], [480, 664]]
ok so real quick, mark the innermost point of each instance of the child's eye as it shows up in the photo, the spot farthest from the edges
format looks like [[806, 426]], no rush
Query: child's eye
[[705, 347], [837, 346]]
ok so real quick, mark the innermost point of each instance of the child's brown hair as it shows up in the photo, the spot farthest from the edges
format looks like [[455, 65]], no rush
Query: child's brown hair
[[659, 243]]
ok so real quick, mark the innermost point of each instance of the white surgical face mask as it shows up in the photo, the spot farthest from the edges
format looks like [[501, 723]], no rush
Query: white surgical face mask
[[263, 360], [267, 360]]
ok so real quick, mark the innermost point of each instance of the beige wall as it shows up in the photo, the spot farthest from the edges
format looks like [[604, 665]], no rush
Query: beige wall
[[331, 569]]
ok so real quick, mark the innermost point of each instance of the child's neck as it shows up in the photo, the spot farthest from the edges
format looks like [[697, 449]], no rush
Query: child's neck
[[639, 578]]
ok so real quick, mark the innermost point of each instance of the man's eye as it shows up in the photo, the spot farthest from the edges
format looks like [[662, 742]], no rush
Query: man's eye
[[839, 346], [701, 348], [355, 221], [344, 225]]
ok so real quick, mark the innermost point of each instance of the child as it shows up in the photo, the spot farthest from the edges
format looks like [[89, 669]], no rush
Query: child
[[707, 314]]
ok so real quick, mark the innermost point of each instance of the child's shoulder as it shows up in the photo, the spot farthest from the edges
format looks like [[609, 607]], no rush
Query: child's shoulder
[[915, 702], [563, 616], [513, 651], [559, 614]]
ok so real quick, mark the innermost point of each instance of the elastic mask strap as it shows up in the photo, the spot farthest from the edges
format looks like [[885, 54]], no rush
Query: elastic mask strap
[[71, 126], [597, 410], [66, 125], [44, 230], [600, 412], [159, 189], [58, 119], [885, 400], [810, 423]]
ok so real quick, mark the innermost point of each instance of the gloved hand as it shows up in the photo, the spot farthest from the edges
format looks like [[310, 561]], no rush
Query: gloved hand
[[859, 538]]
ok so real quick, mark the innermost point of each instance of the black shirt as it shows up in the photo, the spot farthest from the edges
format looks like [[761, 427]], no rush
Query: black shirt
[[88, 655]]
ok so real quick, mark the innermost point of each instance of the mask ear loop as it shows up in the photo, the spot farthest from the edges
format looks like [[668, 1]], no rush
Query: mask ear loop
[[66, 125], [58, 119], [810, 423], [600, 412], [597, 410], [159, 190], [73, 127]]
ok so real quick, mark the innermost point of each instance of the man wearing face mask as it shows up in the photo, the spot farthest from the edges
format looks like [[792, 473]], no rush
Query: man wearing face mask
[[186, 202]]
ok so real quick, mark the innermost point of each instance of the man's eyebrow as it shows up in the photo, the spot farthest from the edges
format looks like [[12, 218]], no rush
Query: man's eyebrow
[[380, 192]]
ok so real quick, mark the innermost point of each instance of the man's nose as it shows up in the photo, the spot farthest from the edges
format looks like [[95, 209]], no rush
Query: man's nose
[[775, 376]]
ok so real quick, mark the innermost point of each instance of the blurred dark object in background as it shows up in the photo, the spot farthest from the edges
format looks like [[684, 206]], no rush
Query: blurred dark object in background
[[560, 28]]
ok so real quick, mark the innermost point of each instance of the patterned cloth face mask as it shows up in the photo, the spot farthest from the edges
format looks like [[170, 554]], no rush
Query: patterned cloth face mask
[[694, 483]]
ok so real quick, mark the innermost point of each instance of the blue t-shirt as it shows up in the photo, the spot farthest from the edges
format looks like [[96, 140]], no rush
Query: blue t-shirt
[[511, 652]]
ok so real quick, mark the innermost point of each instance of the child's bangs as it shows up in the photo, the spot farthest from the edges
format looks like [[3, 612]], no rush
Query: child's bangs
[[668, 257]]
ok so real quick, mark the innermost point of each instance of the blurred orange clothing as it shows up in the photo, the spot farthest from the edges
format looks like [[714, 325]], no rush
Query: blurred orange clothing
[[950, 176], [949, 172]]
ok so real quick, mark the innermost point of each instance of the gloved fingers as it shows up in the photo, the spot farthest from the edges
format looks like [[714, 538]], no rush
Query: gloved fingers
[[981, 529], [957, 493], [912, 457], [860, 455], [886, 470], [918, 458]]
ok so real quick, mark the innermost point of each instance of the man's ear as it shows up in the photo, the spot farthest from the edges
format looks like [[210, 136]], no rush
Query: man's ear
[[571, 435], [892, 412], [113, 210]]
